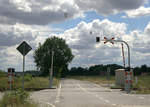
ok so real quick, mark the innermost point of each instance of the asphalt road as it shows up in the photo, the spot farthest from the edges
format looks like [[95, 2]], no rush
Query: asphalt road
[[75, 93]]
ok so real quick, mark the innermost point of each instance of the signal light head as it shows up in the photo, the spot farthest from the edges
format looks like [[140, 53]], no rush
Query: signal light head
[[97, 39]]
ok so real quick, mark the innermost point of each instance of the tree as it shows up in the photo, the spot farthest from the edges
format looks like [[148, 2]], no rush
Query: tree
[[62, 56], [137, 71], [143, 68]]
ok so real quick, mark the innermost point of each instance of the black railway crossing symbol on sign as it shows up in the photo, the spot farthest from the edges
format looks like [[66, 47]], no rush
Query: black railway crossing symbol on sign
[[24, 48]]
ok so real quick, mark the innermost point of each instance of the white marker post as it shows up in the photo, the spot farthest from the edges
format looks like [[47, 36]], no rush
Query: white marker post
[[10, 77], [136, 80], [108, 75]]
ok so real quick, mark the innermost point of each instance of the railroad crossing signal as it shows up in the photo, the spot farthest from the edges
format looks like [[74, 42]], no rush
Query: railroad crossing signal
[[112, 40], [109, 40]]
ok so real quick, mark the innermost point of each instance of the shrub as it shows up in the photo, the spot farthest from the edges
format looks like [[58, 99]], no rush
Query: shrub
[[28, 77], [18, 98]]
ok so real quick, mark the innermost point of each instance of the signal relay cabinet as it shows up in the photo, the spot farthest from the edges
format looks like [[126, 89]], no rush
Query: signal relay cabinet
[[121, 77]]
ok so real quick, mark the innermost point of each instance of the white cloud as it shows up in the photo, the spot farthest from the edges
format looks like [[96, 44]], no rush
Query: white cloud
[[141, 11], [147, 29], [24, 19], [38, 12], [43, 12], [105, 7], [84, 46], [14, 34], [87, 52], [79, 39]]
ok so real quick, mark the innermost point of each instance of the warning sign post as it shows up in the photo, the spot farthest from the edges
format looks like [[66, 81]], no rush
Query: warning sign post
[[23, 48]]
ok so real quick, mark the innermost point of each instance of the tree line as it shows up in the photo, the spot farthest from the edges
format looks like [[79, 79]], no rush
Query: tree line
[[102, 70], [95, 70]]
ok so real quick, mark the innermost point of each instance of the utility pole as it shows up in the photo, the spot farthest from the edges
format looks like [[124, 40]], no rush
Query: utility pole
[[51, 72]]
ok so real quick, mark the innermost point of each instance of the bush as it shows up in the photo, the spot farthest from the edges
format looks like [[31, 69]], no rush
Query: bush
[[18, 98], [28, 77]]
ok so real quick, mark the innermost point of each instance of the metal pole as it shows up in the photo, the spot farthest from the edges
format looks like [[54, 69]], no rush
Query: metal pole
[[23, 72], [128, 54], [123, 55], [128, 86], [127, 47], [51, 72], [128, 50]]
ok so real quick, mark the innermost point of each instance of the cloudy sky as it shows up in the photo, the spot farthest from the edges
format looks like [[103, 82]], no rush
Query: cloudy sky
[[78, 22]]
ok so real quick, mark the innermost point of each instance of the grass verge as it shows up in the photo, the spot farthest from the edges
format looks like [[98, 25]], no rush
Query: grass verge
[[143, 85], [17, 98], [29, 82]]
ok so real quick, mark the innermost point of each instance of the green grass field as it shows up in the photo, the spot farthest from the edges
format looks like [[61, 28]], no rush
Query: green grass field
[[95, 79], [30, 82], [143, 85]]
